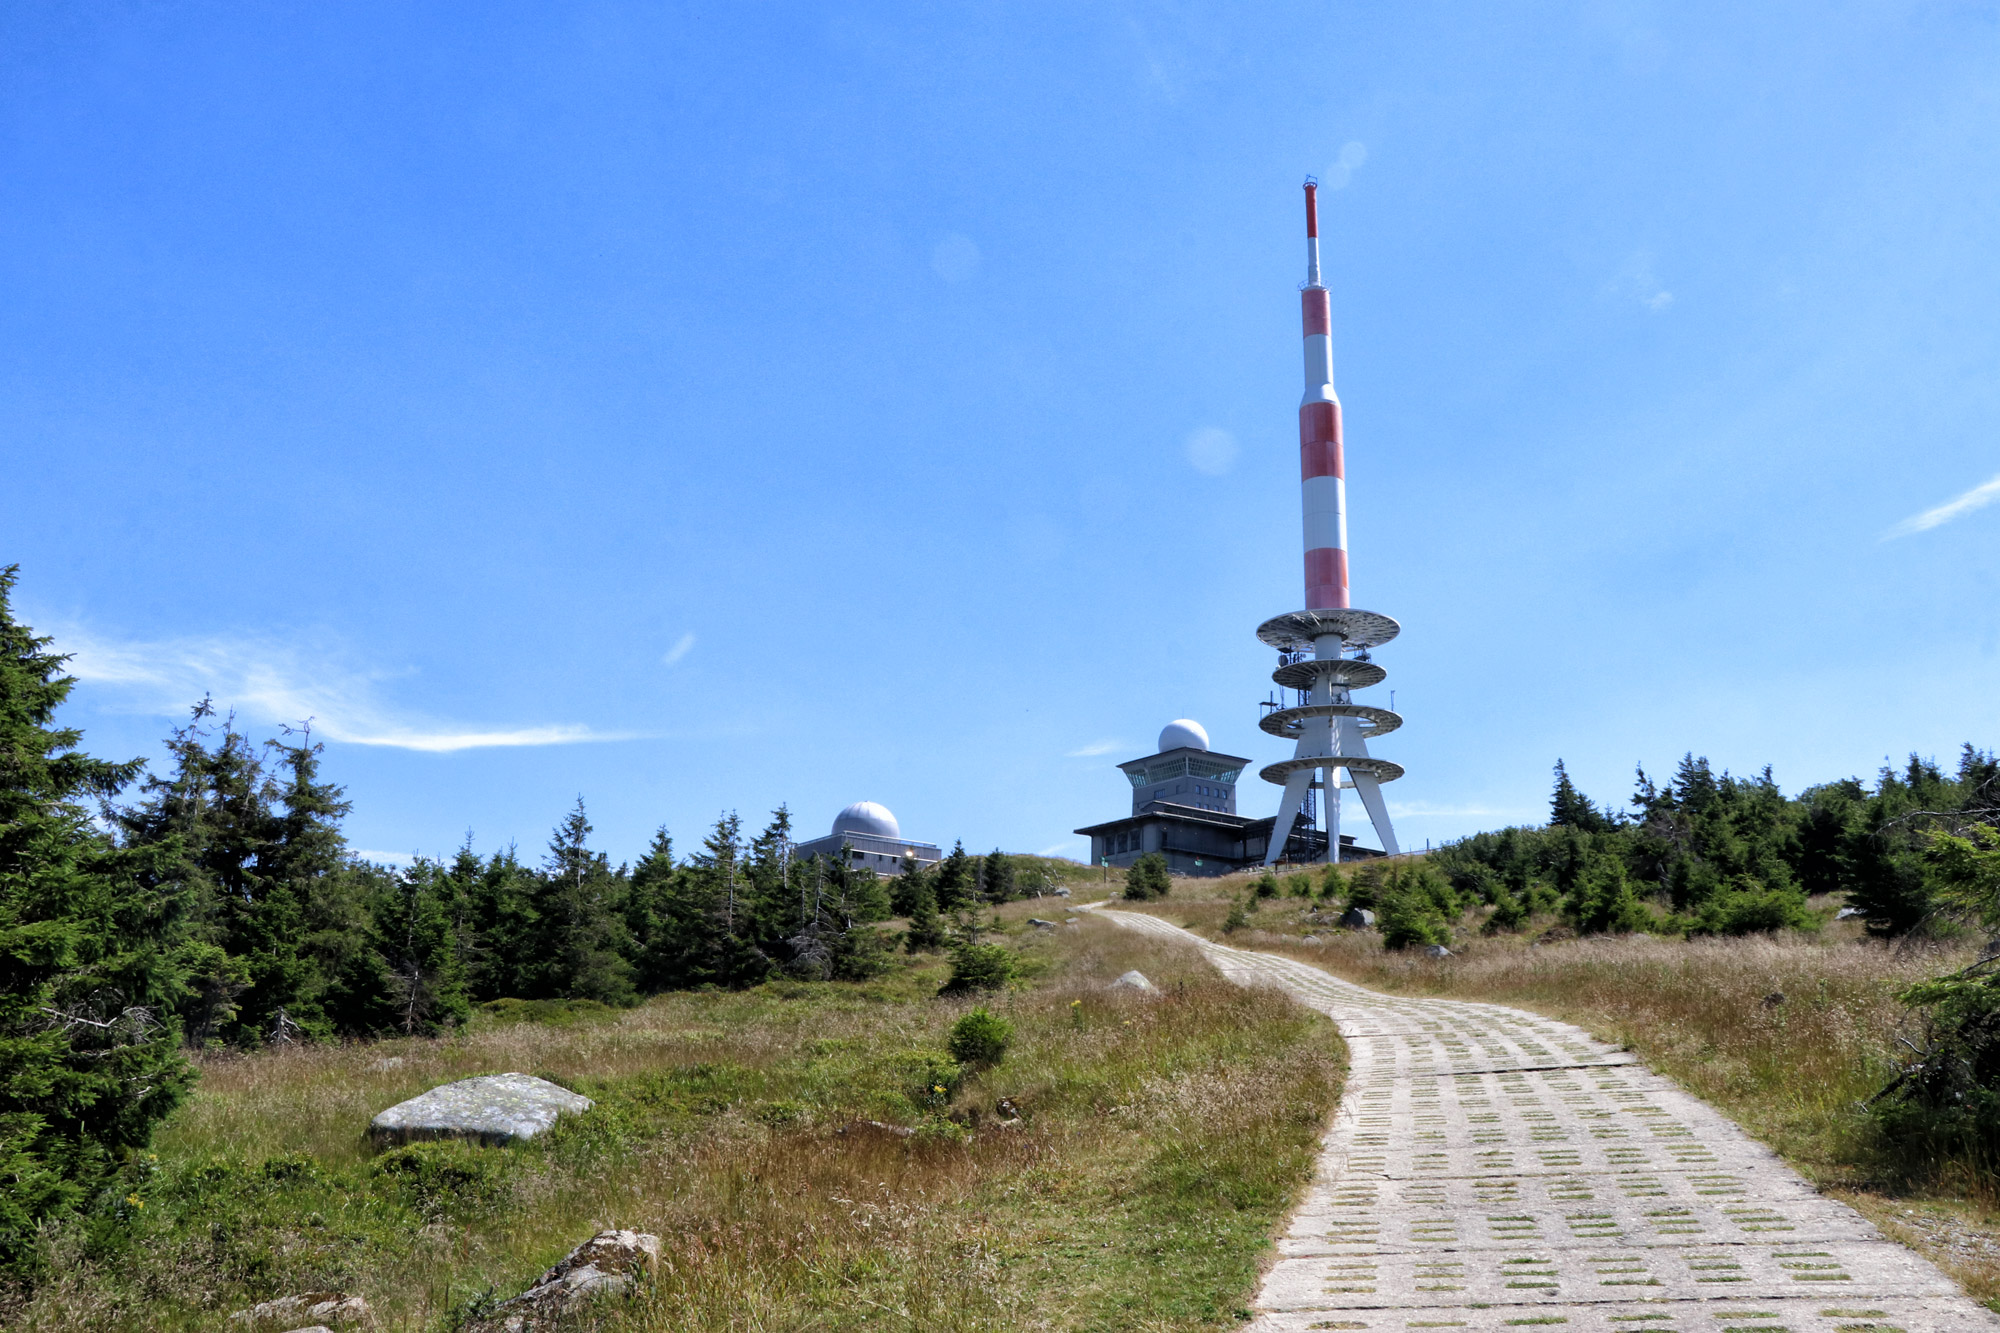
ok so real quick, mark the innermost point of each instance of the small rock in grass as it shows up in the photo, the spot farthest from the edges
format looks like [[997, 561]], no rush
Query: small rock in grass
[[1040, 924], [387, 1063], [1310, 939], [1774, 999], [876, 1126], [1357, 918], [608, 1264], [1847, 912], [1134, 980], [328, 1307], [495, 1109], [1436, 951], [1062, 893]]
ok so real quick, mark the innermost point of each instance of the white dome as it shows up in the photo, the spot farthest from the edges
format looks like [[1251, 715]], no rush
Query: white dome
[[867, 817], [1183, 733]]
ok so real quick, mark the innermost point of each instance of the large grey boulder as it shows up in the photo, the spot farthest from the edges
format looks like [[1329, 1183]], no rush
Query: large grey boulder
[[495, 1109], [611, 1263], [1134, 980], [1357, 918], [322, 1307]]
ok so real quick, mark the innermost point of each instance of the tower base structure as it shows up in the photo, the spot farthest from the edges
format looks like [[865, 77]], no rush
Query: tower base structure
[[1331, 730]]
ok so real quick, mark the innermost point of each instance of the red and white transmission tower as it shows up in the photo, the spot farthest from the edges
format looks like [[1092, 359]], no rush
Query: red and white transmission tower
[[1313, 645]]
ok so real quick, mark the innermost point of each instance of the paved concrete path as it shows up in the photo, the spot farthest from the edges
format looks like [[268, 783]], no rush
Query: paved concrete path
[[1490, 1169]]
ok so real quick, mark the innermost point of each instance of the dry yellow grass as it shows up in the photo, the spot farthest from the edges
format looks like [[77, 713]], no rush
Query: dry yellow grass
[[1160, 1143]]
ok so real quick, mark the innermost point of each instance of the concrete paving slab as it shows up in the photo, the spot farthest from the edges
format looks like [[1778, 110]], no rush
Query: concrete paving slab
[[1496, 1171]]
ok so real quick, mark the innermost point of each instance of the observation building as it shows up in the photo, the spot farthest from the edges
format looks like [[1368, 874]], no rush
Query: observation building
[[867, 836], [1184, 807]]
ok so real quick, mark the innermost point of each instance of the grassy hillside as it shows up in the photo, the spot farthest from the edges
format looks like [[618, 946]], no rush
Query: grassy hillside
[[1159, 1143], [1787, 1033]]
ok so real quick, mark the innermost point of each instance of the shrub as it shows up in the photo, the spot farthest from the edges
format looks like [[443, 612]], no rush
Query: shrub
[[1147, 879], [1409, 918], [445, 1176], [979, 967], [1509, 912], [549, 1013], [980, 1039], [1602, 901], [928, 1077], [1239, 917], [1364, 887], [1946, 1104], [1746, 907]]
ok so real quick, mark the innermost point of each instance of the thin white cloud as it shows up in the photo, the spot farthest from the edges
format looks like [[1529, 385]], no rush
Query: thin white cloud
[[280, 684], [386, 858], [1637, 281], [1094, 749], [1418, 810], [1352, 154], [682, 647], [1985, 493], [1211, 450]]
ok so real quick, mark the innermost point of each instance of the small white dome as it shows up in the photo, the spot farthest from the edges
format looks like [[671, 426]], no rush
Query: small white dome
[[1183, 733], [867, 817]]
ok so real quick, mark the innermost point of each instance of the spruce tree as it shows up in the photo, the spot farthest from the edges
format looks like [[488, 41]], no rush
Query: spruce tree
[[648, 912], [1571, 808], [925, 933], [306, 923], [579, 926], [89, 1048], [1147, 878], [996, 878], [414, 955], [500, 928], [955, 885]]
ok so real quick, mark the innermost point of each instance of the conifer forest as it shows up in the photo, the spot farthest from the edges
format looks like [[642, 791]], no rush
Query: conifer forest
[[204, 899]]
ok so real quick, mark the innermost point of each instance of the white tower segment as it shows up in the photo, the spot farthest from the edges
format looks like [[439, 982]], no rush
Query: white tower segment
[[1331, 730]]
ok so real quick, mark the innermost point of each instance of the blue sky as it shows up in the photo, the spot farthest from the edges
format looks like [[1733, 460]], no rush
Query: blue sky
[[697, 408]]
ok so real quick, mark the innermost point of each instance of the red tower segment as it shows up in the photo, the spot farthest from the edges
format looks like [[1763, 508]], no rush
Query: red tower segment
[[1322, 470]]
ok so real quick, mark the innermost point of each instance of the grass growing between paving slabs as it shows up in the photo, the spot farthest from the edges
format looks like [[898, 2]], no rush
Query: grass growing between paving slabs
[[1160, 1142], [1785, 1034]]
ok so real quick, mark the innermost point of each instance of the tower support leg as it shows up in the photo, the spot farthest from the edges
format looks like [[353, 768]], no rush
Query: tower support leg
[[1370, 792], [1296, 787], [1331, 777]]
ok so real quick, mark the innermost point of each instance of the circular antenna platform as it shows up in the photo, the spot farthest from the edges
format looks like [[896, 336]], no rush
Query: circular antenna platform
[[1344, 671], [1289, 723], [1297, 631], [1379, 769]]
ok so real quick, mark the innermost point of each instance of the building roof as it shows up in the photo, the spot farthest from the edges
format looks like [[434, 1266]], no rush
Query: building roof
[[869, 817]]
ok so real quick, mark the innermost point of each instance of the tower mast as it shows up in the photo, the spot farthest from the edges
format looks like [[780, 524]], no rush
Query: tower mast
[[1331, 730]]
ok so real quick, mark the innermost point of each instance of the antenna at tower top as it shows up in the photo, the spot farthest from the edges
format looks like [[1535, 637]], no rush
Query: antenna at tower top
[[1312, 232]]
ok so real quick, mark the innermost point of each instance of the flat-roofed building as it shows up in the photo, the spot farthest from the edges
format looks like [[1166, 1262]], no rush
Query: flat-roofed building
[[1184, 807]]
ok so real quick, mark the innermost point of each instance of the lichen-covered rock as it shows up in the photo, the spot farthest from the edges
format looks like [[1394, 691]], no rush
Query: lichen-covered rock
[[494, 1109], [611, 1263], [327, 1307]]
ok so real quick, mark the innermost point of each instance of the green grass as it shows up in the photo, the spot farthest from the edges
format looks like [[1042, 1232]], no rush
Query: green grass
[[1160, 1143]]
